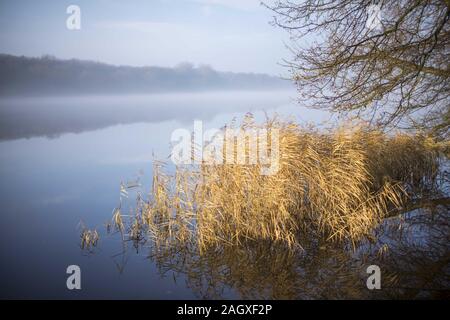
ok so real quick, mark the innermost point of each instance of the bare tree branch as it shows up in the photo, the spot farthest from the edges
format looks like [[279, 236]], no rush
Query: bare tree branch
[[396, 73]]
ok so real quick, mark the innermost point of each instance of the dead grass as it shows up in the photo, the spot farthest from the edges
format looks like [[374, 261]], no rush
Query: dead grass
[[338, 183], [89, 238]]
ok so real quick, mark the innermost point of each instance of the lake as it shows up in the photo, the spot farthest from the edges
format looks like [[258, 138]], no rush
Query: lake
[[62, 160]]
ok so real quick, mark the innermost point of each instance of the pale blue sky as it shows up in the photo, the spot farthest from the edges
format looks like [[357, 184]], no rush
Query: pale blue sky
[[230, 35]]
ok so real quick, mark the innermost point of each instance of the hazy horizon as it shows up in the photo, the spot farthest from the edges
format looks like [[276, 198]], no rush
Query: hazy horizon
[[25, 76], [233, 36], [178, 65]]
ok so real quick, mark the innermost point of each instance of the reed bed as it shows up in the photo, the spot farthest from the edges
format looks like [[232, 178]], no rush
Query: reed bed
[[339, 184]]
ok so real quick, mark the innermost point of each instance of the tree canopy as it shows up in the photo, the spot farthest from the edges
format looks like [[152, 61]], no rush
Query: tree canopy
[[387, 61]]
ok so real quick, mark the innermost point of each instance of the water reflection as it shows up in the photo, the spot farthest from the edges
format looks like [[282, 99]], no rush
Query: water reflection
[[77, 176], [412, 250], [53, 116]]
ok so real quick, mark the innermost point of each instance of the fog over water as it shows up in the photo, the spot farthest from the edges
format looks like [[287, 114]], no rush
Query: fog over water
[[62, 160], [53, 116]]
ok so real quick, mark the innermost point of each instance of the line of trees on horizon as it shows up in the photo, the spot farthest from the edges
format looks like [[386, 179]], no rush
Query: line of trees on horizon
[[47, 75]]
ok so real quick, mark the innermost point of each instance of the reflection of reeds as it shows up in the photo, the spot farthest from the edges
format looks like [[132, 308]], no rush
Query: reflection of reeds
[[267, 270], [117, 221]]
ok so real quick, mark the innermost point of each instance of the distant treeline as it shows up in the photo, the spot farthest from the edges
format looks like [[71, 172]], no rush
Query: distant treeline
[[48, 75]]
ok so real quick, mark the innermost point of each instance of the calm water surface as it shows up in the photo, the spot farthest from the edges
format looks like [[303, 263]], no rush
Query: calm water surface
[[62, 161]]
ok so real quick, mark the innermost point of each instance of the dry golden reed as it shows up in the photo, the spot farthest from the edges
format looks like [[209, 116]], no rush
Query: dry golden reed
[[338, 183], [89, 238]]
